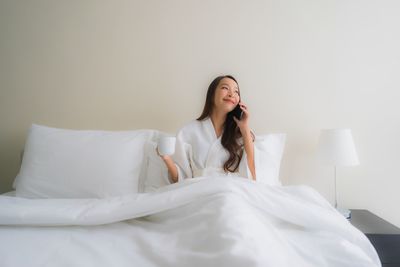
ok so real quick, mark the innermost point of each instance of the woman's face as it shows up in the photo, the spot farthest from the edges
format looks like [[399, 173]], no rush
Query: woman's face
[[226, 95]]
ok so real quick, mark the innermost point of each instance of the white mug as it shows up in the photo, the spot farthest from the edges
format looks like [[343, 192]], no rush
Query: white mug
[[166, 145]]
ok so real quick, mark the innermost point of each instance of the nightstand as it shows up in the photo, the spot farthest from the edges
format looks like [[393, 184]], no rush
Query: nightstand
[[384, 236]]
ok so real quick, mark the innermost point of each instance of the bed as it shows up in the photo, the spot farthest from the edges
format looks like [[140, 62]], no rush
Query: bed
[[98, 198]]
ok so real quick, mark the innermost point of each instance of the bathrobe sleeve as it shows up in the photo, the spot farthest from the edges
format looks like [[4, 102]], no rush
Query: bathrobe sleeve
[[244, 170]]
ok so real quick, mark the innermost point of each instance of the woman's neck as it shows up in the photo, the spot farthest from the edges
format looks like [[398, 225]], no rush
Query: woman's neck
[[218, 120]]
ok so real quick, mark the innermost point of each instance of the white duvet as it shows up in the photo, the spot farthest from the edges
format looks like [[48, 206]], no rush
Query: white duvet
[[207, 221]]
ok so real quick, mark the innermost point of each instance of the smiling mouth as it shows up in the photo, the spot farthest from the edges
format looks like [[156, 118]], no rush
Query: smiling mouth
[[227, 100]]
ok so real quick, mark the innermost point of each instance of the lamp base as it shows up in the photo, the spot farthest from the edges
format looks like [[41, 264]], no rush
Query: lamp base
[[345, 212]]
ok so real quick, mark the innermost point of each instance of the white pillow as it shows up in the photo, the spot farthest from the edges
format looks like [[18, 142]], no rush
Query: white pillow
[[60, 163], [268, 150]]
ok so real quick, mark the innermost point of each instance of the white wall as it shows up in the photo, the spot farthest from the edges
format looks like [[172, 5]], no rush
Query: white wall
[[302, 65]]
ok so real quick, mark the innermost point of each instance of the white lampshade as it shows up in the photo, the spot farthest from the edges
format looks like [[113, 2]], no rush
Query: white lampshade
[[336, 147]]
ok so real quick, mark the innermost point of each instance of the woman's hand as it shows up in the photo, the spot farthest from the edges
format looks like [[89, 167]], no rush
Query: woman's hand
[[169, 162], [163, 157], [243, 123]]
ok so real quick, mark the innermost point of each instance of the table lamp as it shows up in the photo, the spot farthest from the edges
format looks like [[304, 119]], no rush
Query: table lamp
[[336, 148]]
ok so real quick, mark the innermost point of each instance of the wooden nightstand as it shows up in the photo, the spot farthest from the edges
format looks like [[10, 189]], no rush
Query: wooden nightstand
[[383, 235]]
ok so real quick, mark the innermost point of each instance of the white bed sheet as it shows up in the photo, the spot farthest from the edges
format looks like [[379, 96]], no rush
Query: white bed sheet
[[207, 221], [10, 193]]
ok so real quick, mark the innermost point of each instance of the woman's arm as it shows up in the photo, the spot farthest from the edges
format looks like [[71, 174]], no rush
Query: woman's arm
[[172, 169], [178, 164], [249, 148], [248, 141]]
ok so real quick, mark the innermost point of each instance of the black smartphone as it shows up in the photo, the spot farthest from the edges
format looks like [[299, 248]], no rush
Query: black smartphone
[[237, 112]]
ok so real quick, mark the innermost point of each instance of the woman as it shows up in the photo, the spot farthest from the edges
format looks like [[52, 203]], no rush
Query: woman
[[217, 143]]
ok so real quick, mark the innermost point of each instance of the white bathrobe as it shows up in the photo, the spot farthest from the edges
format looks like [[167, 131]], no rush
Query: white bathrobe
[[199, 152]]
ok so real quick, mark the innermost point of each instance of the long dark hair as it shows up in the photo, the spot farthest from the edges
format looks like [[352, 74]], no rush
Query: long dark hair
[[231, 134]]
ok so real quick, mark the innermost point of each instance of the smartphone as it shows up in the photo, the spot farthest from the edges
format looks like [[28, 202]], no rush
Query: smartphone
[[237, 112]]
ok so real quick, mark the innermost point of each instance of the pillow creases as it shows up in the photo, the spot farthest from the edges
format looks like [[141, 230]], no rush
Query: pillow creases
[[63, 163]]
